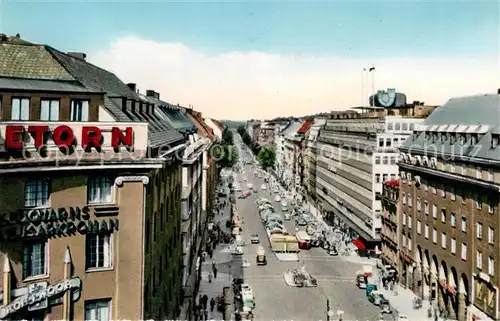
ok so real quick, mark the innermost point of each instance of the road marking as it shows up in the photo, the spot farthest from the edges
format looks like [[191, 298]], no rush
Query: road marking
[[280, 276]]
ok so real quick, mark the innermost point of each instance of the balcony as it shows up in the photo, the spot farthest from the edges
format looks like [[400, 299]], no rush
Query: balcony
[[31, 141]]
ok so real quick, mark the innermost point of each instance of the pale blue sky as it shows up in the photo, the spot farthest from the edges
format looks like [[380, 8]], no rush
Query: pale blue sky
[[360, 29]]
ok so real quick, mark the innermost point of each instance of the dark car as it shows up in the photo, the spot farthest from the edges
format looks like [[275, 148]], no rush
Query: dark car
[[300, 222]]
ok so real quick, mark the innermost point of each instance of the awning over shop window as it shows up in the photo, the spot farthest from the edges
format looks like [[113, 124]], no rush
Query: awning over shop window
[[359, 244]]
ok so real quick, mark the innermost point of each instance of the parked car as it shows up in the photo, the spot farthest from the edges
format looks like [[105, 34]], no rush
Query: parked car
[[300, 222], [254, 239], [263, 187]]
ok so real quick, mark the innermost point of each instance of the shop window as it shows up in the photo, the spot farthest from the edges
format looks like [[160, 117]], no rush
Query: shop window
[[100, 190], [98, 251], [98, 310], [35, 258], [36, 193]]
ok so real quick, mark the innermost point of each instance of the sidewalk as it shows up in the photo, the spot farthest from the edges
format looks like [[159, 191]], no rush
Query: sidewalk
[[222, 257]]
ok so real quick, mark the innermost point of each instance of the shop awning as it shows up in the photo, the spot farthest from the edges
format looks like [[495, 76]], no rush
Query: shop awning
[[359, 244]]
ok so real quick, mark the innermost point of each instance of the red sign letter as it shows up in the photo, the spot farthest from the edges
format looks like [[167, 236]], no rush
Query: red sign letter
[[91, 137], [14, 137], [38, 133], [118, 138], [63, 136]]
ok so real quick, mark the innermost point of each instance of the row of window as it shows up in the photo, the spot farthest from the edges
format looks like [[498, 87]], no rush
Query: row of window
[[407, 221], [477, 172], [380, 178], [37, 192], [460, 138], [453, 248], [400, 126], [49, 109], [98, 255], [386, 160], [390, 142]]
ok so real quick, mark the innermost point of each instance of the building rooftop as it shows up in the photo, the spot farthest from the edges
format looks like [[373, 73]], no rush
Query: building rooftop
[[477, 116], [305, 127]]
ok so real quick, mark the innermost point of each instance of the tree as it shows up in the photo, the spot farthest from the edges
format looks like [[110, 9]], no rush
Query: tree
[[266, 157], [241, 130], [227, 136], [225, 155], [246, 139]]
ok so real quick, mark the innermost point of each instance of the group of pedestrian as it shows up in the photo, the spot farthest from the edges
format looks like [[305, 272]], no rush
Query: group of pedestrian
[[202, 308]]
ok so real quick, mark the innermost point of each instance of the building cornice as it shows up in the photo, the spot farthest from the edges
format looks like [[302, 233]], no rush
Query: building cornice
[[122, 179]]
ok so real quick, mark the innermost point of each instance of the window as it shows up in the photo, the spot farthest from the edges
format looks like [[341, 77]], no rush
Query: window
[[479, 260], [393, 160], [426, 207], [443, 191], [377, 178], [419, 227], [98, 310], [434, 236], [463, 252], [384, 178], [403, 196], [426, 231], [419, 204], [99, 190], [453, 245], [434, 211], [478, 172], [490, 175], [443, 240], [385, 160], [491, 266], [388, 142], [410, 201], [49, 110], [491, 205], [36, 193], [479, 202], [464, 224], [479, 231], [381, 142], [35, 261], [491, 235], [377, 160], [409, 242], [443, 215], [409, 221], [453, 219], [79, 110], [452, 193], [20, 109], [98, 251], [404, 219]]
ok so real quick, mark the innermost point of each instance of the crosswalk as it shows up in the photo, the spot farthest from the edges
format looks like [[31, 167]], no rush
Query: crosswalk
[[322, 278]]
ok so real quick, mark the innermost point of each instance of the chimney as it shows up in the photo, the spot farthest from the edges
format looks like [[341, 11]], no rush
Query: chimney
[[498, 91], [150, 93], [3, 37], [78, 55], [132, 86]]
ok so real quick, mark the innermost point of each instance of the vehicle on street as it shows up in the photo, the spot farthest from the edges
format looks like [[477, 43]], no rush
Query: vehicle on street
[[254, 239], [403, 318], [261, 256], [263, 187], [277, 198], [377, 298], [238, 250], [300, 221], [245, 264], [288, 217], [333, 251], [304, 240], [284, 207], [250, 186]]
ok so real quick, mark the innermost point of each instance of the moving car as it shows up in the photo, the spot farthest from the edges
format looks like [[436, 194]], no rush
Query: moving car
[[300, 221], [277, 198], [263, 187], [254, 239], [288, 217], [261, 256], [250, 186], [238, 250]]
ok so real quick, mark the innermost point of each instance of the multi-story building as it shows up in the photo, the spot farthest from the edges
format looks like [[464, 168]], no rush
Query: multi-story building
[[282, 129], [298, 142], [216, 126], [310, 164], [289, 153], [254, 131], [390, 223], [90, 193], [449, 201], [266, 134], [354, 155]]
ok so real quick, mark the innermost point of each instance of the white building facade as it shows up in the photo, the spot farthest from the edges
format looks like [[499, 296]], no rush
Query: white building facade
[[215, 127], [353, 158]]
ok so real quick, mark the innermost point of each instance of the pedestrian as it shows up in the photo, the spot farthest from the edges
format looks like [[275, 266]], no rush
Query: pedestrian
[[205, 313], [210, 277], [212, 304], [215, 272], [205, 301]]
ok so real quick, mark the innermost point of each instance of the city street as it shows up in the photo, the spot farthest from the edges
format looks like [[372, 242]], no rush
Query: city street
[[277, 301]]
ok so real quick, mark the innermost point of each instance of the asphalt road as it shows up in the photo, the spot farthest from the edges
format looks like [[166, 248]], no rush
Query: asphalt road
[[277, 301]]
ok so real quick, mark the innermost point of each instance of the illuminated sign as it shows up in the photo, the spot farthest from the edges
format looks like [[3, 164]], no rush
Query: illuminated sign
[[39, 294], [386, 98], [49, 223], [64, 137]]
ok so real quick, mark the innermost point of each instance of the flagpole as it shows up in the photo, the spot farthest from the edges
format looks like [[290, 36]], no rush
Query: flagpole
[[372, 69], [363, 71]]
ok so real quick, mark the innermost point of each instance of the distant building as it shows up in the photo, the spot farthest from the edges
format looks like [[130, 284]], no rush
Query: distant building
[[390, 245], [310, 154]]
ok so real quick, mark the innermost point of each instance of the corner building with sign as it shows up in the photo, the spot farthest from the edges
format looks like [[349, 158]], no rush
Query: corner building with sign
[[90, 181]]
